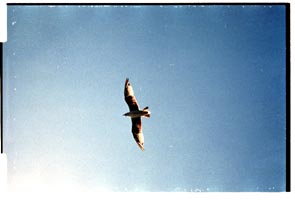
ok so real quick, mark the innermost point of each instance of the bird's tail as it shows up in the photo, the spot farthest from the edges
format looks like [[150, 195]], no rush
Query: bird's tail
[[146, 108], [148, 114]]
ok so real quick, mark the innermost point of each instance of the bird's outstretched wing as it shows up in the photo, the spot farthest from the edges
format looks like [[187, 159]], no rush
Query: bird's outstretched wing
[[136, 122], [137, 132], [129, 97]]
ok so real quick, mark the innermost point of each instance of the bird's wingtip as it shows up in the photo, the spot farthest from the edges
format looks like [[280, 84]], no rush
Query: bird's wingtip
[[141, 146], [126, 82]]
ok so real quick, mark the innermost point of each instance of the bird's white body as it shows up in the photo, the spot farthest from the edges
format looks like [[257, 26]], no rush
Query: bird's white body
[[138, 113]]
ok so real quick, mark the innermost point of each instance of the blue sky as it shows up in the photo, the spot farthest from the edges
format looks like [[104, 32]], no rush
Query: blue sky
[[212, 76]]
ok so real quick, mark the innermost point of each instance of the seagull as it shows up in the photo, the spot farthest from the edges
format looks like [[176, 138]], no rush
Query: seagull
[[135, 114]]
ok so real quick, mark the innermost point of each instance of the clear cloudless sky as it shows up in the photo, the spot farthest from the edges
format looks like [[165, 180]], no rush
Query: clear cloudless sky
[[213, 77]]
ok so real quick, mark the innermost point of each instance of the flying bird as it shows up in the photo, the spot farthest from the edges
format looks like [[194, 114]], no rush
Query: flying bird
[[135, 114]]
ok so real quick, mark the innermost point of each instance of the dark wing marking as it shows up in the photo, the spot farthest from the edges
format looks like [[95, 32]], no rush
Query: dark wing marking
[[137, 132], [132, 103], [129, 97]]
